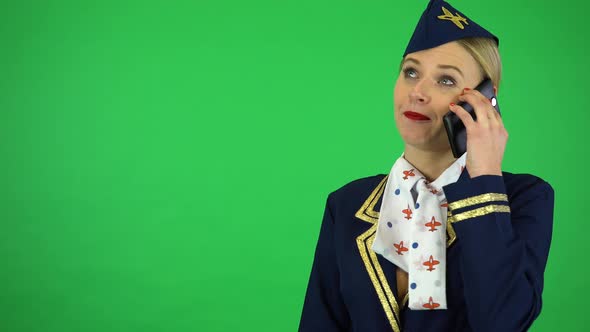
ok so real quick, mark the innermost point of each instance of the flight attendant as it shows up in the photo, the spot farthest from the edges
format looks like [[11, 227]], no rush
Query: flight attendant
[[440, 243]]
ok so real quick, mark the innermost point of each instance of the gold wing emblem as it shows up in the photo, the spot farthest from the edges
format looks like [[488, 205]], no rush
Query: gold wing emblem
[[458, 19]]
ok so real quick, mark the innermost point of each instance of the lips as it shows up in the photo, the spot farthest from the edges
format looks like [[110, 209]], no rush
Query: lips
[[415, 116]]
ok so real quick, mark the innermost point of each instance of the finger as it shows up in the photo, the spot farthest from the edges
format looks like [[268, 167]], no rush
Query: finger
[[483, 98], [493, 118], [479, 106], [462, 114], [491, 112], [495, 115], [476, 93]]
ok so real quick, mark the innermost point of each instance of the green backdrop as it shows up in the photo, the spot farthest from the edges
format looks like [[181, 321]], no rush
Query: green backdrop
[[165, 164]]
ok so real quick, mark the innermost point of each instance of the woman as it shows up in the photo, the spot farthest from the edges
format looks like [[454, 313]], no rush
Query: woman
[[441, 243]]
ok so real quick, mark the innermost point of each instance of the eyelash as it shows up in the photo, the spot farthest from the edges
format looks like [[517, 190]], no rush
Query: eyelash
[[444, 77]]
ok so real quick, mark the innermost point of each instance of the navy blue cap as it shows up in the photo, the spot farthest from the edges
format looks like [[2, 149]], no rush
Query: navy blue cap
[[442, 23]]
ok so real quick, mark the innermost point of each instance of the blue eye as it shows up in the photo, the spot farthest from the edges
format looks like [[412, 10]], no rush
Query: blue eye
[[410, 72], [448, 81]]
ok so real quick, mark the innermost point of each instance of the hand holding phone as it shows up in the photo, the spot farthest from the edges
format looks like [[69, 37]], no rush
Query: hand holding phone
[[454, 126]]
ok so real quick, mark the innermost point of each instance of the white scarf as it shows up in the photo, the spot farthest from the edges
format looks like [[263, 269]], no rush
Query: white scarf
[[411, 232]]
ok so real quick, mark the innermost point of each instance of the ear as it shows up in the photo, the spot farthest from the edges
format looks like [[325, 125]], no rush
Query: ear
[[495, 90]]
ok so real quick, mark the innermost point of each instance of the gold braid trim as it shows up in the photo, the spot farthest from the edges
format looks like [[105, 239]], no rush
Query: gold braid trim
[[405, 300], [390, 307], [382, 278], [482, 211], [367, 211], [451, 235], [479, 199]]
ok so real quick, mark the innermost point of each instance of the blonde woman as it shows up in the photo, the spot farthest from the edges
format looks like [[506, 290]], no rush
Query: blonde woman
[[440, 243]]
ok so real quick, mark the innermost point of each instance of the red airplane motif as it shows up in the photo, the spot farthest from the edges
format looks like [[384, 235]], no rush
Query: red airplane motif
[[408, 173], [431, 263], [444, 205], [407, 212], [400, 248], [431, 304], [432, 224], [434, 191]]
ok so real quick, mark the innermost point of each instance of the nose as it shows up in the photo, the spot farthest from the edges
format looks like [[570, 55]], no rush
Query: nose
[[419, 93]]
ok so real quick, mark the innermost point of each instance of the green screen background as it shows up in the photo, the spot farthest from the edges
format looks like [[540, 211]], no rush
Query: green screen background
[[165, 164]]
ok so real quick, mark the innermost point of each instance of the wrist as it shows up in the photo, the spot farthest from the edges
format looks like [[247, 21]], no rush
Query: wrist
[[480, 172]]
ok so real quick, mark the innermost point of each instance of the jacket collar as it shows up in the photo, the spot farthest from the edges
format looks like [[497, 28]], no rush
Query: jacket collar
[[369, 210]]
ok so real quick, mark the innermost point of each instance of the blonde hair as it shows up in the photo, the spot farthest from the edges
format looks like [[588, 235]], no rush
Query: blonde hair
[[486, 54]]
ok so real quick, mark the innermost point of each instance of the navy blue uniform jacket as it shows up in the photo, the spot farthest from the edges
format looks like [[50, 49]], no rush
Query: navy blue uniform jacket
[[498, 231]]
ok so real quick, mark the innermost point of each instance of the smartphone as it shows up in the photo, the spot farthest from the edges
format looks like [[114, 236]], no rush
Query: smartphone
[[454, 126]]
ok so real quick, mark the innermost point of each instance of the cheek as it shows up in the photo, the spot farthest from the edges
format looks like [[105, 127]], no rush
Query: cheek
[[443, 106], [397, 94], [398, 84]]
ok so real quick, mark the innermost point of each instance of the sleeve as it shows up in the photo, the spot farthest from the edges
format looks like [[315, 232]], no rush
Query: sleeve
[[323, 308], [503, 249]]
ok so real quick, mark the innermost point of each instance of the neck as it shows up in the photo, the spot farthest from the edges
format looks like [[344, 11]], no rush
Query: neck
[[431, 163]]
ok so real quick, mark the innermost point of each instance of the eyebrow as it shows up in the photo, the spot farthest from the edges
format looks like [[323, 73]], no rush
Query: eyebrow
[[439, 66]]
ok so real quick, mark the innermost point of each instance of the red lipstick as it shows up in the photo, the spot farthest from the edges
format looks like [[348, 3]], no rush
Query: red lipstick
[[415, 116]]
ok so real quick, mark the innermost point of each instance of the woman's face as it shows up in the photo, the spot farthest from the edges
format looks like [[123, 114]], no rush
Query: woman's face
[[429, 81]]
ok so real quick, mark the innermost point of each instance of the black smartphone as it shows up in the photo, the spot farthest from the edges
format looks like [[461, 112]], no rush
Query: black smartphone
[[454, 126]]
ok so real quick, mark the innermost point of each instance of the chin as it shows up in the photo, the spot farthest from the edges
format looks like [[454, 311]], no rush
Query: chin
[[424, 141], [414, 136]]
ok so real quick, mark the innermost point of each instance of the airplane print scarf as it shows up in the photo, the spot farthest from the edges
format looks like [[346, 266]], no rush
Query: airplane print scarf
[[411, 232]]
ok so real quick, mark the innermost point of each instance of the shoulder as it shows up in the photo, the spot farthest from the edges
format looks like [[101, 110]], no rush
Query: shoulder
[[359, 188], [351, 196]]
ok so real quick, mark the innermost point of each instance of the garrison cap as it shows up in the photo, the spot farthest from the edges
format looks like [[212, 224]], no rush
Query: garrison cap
[[442, 23]]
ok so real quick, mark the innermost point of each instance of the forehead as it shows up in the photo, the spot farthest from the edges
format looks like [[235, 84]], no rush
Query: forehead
[[446, 54]]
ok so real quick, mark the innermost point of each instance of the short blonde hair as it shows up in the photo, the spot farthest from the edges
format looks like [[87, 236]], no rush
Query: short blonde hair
[[486, 54]]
